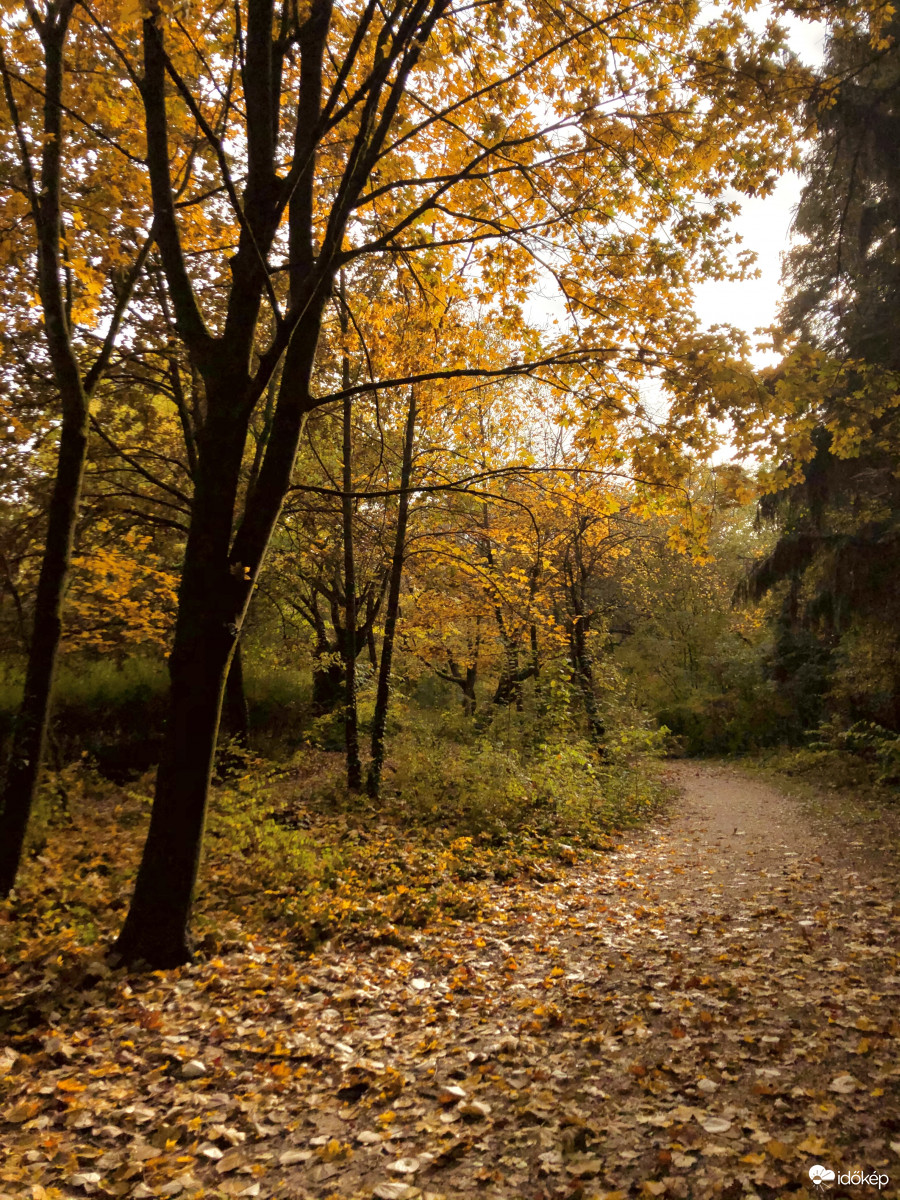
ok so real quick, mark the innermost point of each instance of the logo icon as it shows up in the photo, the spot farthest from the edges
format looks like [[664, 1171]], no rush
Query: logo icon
[[820, 1175]]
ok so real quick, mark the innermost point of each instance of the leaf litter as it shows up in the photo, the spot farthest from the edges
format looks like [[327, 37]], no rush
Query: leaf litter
[[705, 1012]]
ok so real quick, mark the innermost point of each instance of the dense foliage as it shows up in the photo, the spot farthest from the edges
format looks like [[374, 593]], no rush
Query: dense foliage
[[355, 406]]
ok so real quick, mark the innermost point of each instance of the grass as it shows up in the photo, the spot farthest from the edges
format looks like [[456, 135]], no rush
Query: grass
[[113, 712], [289, 851]]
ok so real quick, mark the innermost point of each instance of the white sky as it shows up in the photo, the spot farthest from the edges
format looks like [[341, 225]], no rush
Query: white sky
[[764, 227]]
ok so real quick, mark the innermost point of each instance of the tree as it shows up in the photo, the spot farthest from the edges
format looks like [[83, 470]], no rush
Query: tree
[[283, 146], [392, 606], [835, 497], [62, 302]]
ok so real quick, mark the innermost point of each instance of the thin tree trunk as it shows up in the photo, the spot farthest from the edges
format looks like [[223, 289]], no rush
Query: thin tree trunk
[[372, 648], [382, 697], [581, 654], [29, 736], [236, 712], [30, 729], [351, 727], [584, 676]]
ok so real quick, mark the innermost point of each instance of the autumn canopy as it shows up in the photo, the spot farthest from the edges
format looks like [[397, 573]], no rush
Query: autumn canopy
[[357, 340]]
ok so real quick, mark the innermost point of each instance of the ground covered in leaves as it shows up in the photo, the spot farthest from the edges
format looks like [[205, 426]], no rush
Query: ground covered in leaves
[[706, 1011]]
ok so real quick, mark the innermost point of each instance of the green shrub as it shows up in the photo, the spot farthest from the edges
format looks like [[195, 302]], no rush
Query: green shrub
[[501, 784], [114, 713], [279, 700], [872, 744], [730, 723], [111, 713]]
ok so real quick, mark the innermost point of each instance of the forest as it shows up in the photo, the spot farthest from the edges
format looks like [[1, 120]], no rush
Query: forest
[[377, 516]]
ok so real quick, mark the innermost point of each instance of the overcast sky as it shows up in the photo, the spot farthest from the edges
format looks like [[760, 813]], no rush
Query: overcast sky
[[764, 227]]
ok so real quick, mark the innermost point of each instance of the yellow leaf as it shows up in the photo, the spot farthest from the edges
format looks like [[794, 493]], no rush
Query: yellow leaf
[[812, 1145], [779, 1150]]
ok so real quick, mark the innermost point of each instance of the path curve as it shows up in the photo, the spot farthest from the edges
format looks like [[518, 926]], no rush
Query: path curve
[[709, 1012]]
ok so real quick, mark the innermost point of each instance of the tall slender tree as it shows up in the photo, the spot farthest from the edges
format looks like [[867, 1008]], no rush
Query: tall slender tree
[[392, 606], [835, 497], [43, 189]]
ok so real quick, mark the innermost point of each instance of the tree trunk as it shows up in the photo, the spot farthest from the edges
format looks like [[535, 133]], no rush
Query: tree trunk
[[372, 648], [351, 727], [206, 632], [32, 720], [465, 681], [470, 701], [30, 729], [512, 676], [218, 574], [584, 677], [507, 689], [236, 712], [328, 687], [382, 697]]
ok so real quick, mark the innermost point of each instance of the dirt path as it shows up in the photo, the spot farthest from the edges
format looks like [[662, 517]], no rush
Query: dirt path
[[709, 1012]]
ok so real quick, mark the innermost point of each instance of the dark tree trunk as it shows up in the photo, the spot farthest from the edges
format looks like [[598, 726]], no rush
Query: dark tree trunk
[[218, 574], [217, 581], [512, 676], [236, 711], [351, 727], [470, 701], [32, 720], [584, 677], [328, 687], [383, 694], [507, 689], [209, 615], [466, 681], [371, 647], [579, 650], [30, 729]]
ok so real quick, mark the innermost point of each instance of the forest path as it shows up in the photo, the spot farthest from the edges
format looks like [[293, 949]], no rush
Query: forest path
[[707, 1012]]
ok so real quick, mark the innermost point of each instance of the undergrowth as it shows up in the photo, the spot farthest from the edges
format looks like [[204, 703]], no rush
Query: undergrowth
[[859, 756], [292, 852]]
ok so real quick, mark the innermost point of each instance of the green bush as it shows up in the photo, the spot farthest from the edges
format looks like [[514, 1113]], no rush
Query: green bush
[[872, 744], [110, 713], [730, 723], [114, 713], [499, 784], [279, 700]]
